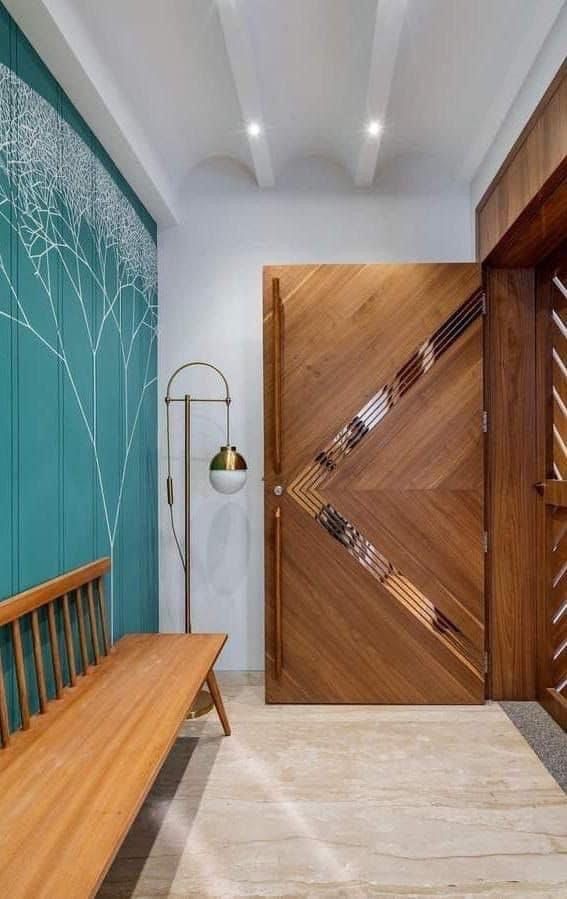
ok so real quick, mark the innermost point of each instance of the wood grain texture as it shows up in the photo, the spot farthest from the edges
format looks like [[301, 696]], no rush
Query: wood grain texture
[[81, 623], [520, 216], [215, 692], [69, 644], [55, 653], [41, 598], [38, 662], [552, 428], [106, 642], [21, 680], [556, 706], [93, 623], [278, 636], [343, 315], [71, 786], [44, 593], [513, 474], [4, 721], [545, 471], [277, 361], [412, 493], [554, 492]]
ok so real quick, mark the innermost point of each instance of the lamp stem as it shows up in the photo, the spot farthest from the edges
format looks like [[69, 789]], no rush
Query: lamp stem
[[187, 514]]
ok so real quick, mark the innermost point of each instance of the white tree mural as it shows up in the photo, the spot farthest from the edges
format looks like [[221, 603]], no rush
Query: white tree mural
[[74, 223]]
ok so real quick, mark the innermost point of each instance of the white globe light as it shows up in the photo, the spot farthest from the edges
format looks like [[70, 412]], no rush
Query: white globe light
[[228, 470], [227, 481]]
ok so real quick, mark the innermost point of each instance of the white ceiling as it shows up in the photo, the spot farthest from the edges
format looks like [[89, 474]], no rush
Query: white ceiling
[[168, 86]]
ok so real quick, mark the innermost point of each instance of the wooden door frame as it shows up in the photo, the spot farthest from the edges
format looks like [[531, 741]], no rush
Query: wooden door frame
[[520, 221]]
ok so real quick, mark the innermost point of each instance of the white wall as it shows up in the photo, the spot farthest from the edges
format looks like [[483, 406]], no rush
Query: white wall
[[210, 309], [546, 65]]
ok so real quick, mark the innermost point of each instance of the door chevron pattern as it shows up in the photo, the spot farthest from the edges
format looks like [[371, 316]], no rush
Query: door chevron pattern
[[308, 488]]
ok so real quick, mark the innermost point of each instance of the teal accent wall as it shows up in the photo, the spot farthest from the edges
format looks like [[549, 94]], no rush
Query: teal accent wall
[[78, 335]]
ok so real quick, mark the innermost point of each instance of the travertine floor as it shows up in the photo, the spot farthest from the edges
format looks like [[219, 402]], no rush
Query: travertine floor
[[348, 802]]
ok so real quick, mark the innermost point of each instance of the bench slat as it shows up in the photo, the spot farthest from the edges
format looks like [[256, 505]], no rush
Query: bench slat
[[38, 661], [21, 674], [72, 785], [4, 723], [82, 629], [103, 617], [69, 646], [92, 619], [55, 655]]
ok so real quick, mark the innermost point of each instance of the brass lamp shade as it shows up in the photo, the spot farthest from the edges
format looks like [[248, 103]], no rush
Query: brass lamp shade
[[228, 470]]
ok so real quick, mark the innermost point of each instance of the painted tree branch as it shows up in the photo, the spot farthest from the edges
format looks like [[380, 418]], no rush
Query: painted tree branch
[[82, 239]]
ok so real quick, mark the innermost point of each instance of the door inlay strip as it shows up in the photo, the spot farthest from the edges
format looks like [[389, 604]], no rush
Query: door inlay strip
[[306, 487]]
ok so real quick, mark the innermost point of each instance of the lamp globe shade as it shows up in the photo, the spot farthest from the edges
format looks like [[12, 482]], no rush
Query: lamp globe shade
[[228, 470]]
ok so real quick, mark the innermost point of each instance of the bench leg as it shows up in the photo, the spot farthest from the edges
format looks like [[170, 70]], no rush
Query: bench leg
[[217, 699]]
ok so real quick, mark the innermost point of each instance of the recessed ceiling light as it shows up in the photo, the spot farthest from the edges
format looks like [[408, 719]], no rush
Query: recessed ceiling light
[[374, 128], [254, 129]]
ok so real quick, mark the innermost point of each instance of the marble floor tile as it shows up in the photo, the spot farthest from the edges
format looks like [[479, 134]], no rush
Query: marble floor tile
[[353, 801]]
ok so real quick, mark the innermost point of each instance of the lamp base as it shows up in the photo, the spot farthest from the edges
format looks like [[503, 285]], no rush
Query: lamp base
[[202, 705]]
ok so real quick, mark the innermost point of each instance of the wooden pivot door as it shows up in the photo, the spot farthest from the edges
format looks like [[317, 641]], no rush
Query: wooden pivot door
[[374, 483]]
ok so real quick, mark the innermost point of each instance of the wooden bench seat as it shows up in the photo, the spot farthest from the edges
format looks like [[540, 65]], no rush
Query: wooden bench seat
[[72, 783]]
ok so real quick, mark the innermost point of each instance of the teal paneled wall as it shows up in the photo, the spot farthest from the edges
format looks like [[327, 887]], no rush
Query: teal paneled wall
[[78, 320]]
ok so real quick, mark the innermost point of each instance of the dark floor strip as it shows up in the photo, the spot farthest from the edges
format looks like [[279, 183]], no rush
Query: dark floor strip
[[547, 739]]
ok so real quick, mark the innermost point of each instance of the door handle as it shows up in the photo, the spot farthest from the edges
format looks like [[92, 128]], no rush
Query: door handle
[[278, 592], [277, 352]]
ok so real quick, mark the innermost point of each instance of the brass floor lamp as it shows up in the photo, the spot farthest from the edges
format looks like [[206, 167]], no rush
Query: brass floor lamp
[[227, 474]]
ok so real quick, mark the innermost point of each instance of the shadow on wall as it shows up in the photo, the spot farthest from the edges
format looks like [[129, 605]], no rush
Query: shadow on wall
[[228, 549]]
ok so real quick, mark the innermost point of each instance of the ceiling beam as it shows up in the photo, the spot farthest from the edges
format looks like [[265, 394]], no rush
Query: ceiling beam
[[57, 33], [387, 29], [241, 58]]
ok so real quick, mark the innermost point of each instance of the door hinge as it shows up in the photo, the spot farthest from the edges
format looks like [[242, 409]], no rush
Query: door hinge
[[485, 541], [486, 662], [484, 304], [485, 421]]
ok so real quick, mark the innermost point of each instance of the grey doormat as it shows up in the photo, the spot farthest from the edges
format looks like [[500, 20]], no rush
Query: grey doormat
[[547, 739]]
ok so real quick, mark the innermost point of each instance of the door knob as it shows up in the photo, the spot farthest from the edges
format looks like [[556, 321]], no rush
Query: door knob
[[278, 490]]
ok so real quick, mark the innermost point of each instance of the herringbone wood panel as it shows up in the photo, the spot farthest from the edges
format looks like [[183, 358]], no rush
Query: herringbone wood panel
[[375, 593]]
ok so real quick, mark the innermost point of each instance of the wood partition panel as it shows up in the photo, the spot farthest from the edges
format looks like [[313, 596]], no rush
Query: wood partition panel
[[520, 218], [512, 474], [551, 296]]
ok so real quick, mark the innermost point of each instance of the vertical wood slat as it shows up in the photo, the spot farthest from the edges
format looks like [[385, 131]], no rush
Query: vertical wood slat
[[92, 619], [69, 646], [512, 498], [21, 674], [82, 632], [103, 618], [55, 654], [278, 591], [38, 661], [544, 463], [4, 722], [277, 350]]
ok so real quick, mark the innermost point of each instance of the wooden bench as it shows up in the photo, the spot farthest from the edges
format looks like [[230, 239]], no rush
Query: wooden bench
[[73, 777]]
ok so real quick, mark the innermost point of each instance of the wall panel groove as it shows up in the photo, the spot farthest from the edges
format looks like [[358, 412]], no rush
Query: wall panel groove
[[78, 347]]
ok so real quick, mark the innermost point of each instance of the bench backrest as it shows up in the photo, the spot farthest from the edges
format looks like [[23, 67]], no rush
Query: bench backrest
[[76, 598]]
